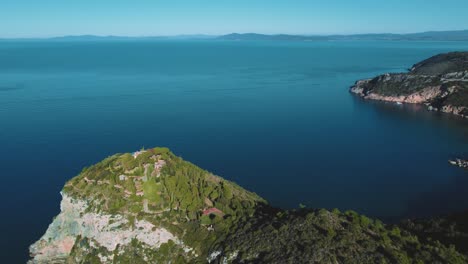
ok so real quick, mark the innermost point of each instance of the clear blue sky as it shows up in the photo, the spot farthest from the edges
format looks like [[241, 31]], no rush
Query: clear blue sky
[[45, 18]]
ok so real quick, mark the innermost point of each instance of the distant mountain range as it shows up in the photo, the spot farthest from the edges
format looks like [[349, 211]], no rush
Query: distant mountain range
[[458, 35], [111, 38]]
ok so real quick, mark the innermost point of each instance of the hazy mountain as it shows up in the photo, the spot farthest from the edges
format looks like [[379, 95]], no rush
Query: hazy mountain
[[461, 35]]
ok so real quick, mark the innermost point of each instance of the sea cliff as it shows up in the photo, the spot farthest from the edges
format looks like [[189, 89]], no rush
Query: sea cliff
[[109, 231], [440, 82]]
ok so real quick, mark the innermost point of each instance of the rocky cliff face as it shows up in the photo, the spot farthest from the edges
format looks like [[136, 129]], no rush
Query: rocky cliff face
[[440, 82], [76, 223]]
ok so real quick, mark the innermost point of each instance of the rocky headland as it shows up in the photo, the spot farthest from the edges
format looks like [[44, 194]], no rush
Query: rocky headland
[[440, 82], [151, 206]]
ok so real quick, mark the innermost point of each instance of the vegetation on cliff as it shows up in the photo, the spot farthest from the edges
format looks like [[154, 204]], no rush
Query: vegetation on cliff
[[442, 64], [210, 219], [322, 236], [451, 229]]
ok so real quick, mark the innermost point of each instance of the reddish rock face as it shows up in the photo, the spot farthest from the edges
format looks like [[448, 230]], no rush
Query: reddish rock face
[[213, 210]]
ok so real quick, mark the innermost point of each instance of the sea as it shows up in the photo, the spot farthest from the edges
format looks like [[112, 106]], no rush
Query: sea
[[276, 117]]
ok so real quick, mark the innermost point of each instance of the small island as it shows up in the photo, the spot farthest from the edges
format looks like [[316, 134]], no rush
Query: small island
[[459, 163], [440, 82], [151, 206]]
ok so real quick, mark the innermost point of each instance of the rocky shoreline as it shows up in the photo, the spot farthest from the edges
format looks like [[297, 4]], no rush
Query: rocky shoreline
[[440, 83]]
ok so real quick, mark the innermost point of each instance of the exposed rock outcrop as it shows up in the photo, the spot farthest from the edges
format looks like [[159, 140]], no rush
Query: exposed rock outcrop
[[108, 231], [440, 82]]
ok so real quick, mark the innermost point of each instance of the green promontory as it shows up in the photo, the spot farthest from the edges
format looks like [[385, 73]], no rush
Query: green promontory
[[153, 207]]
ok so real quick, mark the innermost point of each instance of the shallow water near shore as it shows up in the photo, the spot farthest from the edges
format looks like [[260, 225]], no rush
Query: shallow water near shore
[[275, 117]]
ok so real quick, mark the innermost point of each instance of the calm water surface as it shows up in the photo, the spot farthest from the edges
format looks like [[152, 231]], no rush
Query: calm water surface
[[275, 117]]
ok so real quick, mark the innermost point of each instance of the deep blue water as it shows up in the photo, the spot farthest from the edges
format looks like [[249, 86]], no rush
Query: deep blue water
[[275, 117]]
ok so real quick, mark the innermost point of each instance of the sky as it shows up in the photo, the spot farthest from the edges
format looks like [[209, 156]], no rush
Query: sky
[[49, 18]]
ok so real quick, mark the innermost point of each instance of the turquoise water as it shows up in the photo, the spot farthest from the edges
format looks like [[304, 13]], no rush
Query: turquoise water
[[275, 117]]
